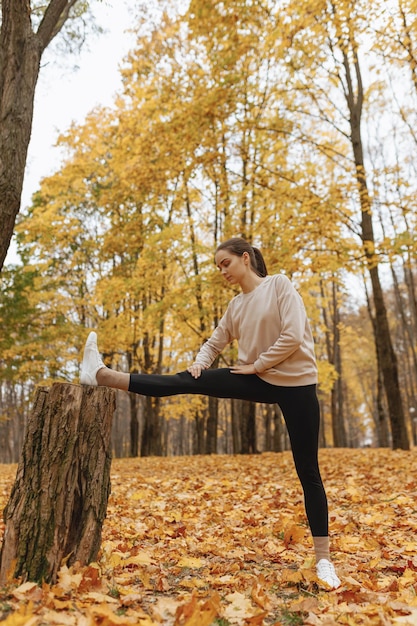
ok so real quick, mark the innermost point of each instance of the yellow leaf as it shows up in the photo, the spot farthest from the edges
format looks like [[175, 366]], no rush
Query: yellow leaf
[[109, 618], [240, 607], [141, 558], [100, 597], [293, 534], [408, 578], [59, 618], [189, 561], [195, 613], [260, 597], [141, 494], [23, 617], [292, 576]]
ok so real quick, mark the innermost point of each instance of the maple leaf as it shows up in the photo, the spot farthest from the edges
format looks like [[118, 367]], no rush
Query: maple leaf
[[195, 613], [293, 534], [260, 597]]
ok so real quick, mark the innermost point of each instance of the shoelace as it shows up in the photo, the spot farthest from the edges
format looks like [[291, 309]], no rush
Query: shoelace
[[326, 568], [327, 572]]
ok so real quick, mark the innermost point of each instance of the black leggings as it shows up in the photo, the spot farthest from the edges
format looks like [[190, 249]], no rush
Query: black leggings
[[299, 406]]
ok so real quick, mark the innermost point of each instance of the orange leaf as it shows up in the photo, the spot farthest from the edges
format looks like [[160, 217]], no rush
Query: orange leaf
[[194, 614], [293, 534]]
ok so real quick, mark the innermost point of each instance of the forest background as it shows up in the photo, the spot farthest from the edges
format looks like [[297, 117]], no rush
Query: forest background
[[289, 123]]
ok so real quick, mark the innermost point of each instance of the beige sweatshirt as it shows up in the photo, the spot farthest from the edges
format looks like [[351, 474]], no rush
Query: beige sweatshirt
[[273, 332]]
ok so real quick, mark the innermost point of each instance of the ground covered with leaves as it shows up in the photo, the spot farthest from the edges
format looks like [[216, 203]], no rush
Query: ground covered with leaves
[[223, 540]]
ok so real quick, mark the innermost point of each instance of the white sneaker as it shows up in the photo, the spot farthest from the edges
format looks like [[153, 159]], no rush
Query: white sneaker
[[326, 574], [92, 361]]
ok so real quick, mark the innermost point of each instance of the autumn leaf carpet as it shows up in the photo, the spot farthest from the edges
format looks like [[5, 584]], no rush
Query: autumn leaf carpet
[[223, 540]]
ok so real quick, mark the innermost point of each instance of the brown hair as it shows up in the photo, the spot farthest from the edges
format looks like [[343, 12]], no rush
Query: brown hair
[[238, 246]]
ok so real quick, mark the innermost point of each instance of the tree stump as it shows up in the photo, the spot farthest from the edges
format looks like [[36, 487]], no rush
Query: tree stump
[[59, 499]]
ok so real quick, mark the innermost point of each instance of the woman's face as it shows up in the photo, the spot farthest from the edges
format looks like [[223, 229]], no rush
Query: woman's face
[[233, 268]]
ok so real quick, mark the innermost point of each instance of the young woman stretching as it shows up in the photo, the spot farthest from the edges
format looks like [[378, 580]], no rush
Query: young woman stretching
[[276, 365]]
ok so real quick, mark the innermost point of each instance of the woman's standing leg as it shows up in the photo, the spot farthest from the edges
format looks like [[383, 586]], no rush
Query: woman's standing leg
[[301, 411]]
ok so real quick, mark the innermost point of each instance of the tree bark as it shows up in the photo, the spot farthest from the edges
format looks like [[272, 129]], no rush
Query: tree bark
[[134, 426], [200, 418], [338, 421], [151, 444], [247, 426], [280, 431], [235, 416], [59, 499], [211, 425], [385, 351], [20, 55]]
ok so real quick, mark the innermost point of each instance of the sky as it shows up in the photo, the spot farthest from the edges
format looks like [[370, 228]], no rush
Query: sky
[[68, 91]]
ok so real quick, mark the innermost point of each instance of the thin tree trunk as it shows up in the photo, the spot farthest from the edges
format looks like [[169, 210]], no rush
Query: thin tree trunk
[[322, 430], [280, 431], [198, 438], [134, 426], [152, 436], [212, 422], [236, 443], [247, 426], [385, 351], [338, 422], [151, 444], [382, 423], [268, 412], [334, 357], [59, 499]]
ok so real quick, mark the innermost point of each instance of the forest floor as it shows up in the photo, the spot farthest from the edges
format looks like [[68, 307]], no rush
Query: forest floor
[[223, 540]]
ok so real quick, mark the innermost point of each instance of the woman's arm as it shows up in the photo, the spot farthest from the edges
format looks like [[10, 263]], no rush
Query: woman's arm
[[212, 347], [243, 369]]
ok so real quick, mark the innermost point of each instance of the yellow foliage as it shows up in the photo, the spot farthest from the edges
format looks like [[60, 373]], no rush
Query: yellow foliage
[[232, 120]]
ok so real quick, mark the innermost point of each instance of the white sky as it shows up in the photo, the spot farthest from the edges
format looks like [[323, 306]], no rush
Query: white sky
[[66, 92]]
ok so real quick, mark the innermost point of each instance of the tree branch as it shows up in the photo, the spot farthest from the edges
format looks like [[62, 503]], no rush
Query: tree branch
[[53, 20]]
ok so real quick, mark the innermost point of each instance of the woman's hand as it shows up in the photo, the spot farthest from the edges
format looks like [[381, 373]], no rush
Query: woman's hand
[[243, 369], [195, 370]]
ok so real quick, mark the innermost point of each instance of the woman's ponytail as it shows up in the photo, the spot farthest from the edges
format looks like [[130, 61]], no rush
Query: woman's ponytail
[[260, 262], [239, 246]]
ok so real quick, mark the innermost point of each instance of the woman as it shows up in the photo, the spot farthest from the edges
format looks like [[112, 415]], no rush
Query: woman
[[276, 365]]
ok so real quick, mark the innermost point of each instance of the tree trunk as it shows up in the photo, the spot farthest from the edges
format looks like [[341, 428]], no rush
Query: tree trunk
[[235, 410], [385, 351], [280, 431], [19, 69], [338, 421], [134, 426], [198, 438], [382, 422], [268, 412], [211, 425], [322, 430], [59, 499], [247, 426], [332, 325], [20, 55], [151, 437]]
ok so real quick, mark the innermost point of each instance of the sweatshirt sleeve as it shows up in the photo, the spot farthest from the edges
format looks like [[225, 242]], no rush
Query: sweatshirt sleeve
[[218, 340], [293, 317]]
